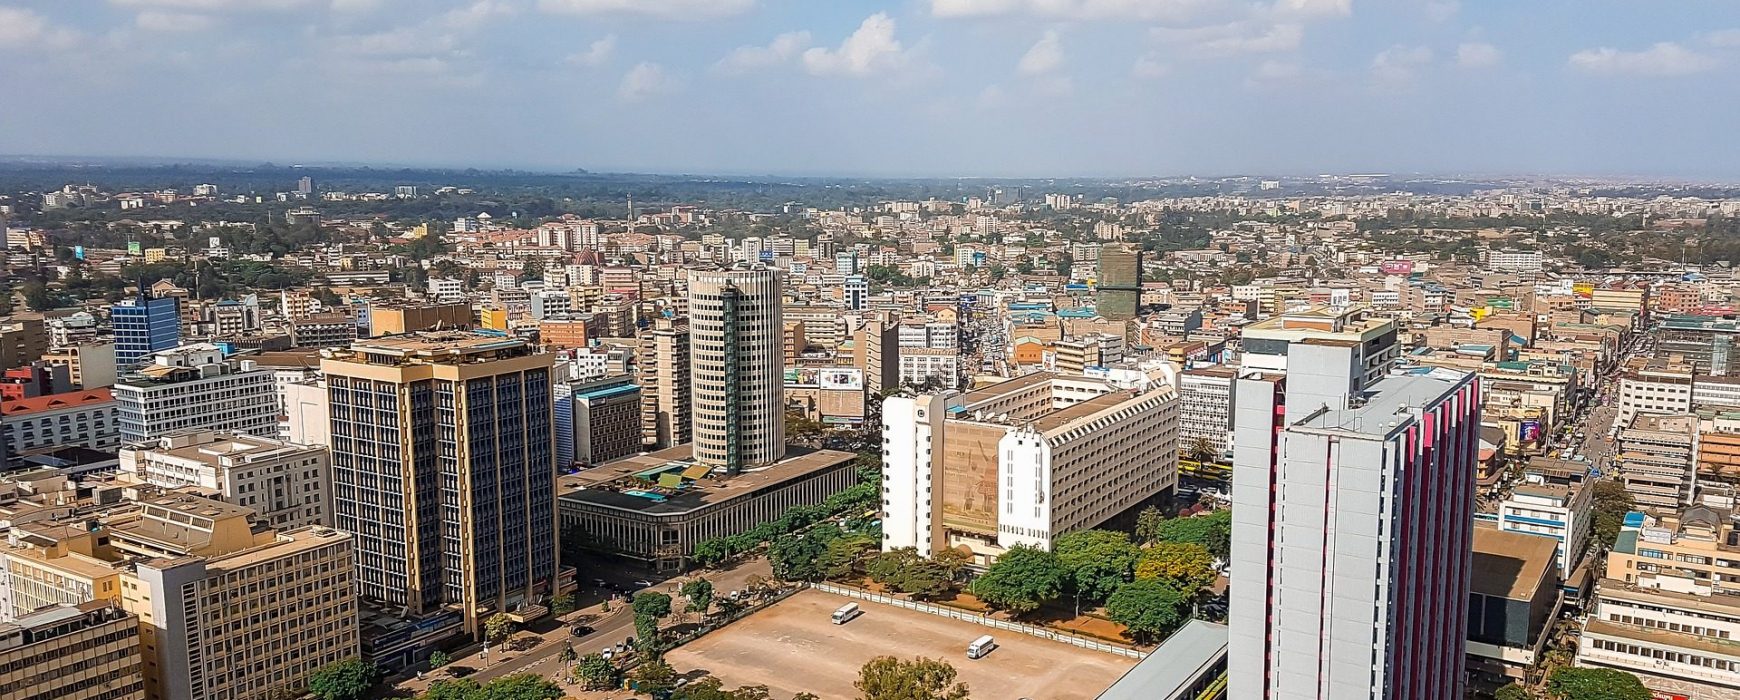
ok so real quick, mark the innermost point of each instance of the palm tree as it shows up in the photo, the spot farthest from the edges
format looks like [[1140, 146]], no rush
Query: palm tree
[[1202, 449]]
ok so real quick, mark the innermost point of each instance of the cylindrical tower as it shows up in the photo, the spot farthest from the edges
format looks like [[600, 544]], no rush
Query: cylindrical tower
[[737, 373]]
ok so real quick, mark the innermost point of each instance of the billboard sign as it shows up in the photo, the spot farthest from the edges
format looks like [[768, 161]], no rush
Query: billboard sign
[[840, 378], [1397, 267]]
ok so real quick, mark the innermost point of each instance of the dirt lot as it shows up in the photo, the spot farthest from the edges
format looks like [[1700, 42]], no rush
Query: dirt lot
[[792, 647]]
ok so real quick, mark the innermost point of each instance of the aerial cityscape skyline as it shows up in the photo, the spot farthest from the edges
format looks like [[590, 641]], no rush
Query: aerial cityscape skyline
[[941, 88]]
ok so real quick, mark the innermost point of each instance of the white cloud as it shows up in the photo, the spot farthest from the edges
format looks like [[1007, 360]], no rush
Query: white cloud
[[1664, 59], [1314, 8], [1045, 56], [213, 5], [472, 16], [869, 50], [660, 9], [1442, 10], [1478, 55], [1236, 38], [355, 6], [24, 29], [646, 80], [160, 21], [597, 54], [1147, 10], [1723, 38], [1398, 64], [785, 47], [1150, 67], [1275, 73]]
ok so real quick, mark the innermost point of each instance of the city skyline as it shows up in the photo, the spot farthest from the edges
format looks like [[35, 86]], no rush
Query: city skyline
[[992, 88]]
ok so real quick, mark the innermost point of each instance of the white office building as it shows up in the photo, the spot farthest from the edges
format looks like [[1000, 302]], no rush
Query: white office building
[[284, 484], [737, 366], [193, 387]]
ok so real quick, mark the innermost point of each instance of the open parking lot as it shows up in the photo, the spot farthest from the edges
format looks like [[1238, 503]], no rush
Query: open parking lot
[[793, 647]]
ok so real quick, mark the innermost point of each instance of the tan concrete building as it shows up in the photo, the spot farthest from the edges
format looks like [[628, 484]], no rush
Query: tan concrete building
[[664, 384], [282, 482], [23, 339], [89, 365], [72, 652], [1657, 459]]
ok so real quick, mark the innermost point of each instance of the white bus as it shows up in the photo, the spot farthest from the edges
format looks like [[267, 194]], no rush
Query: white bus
[[846, 613], [980, 647]]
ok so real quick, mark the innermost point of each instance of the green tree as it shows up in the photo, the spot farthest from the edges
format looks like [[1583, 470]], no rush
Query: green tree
[[439, 658], [1147, 607], [711, 551], [800, 557], [652, 604], [1021, 580], [840, 558], [953, 562], [532, 269], [1213, 531], [1610, 504], [1098, 561], [349, 679], [1203, 450], [562, 604], [1187, 567], [700, 595], [654, 677], [891, 678], [1595, 684], [1148, 524], [1513, 692], [498, 628], [521, 686], [38, 297], [567, 655], [453, 689], [595, 672]]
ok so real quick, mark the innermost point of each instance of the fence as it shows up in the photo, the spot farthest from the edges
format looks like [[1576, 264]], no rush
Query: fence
[[967, 616]]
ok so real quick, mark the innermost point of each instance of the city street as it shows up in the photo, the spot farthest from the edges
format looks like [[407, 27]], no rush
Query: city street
[[609, 629]]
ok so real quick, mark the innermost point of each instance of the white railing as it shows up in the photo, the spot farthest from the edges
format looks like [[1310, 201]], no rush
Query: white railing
[[975, 618]]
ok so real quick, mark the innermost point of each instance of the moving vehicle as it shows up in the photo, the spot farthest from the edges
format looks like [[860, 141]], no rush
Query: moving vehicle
[[980, 647], [846, 613]]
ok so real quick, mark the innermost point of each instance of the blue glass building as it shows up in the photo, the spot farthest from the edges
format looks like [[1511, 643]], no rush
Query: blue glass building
[[144, 326]]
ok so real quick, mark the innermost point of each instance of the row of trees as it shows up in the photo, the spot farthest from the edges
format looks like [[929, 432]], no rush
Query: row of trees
[[1581, 684], [856, 499], [522, 686]]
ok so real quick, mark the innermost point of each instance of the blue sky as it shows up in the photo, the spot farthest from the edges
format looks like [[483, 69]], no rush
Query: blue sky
[[912, 87]]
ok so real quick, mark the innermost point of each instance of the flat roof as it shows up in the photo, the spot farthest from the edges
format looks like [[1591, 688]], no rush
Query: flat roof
[[1025, 381], [1085, 409], [1182, 659], [1390, 396], [1511, 565], [434, 342], [609, 484]]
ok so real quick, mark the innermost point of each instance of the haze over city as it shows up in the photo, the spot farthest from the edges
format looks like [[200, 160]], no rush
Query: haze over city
[[917, 88]]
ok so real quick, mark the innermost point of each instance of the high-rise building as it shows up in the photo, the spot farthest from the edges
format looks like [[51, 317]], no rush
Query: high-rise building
[[1205, 403], [597, 420], [195, 387], [1022, 461], [22, 340], [72, 652], [444, 467], [737, 372], [1352, 530], [144, 326], [664, 380], [305, 186], [1118, 294], [1264, 345], [1657, 459]]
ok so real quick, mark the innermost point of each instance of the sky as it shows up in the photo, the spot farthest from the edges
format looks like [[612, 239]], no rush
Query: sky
[[995, 88]]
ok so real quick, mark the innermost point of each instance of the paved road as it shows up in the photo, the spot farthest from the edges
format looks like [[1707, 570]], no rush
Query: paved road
[[610, 629]]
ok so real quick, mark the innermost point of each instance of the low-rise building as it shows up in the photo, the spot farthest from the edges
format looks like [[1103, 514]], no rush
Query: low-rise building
[[72, 652], [285, 484], [1558, 512], [79, 418], [193, 387], [1657, 459], [1513, 599], [655, 507]]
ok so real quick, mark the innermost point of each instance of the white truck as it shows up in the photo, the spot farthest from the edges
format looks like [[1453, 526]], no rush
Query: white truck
[[846, 613], [980, 647]]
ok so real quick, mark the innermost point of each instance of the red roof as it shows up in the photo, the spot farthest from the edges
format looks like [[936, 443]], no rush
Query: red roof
[[55, 402]]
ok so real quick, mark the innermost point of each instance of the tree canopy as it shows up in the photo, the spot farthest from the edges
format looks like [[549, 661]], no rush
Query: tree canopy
[[350, 679], [1022, 579], [1187, 567], [1098, 561], [1147, 607], [891, 678], [1570, 683]]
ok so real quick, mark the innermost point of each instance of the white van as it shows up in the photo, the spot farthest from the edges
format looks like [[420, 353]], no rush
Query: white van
[[980, 647], [846, 613]]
